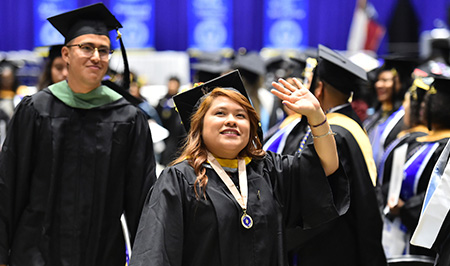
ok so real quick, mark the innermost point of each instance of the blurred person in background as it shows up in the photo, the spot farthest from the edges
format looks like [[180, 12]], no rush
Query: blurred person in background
[[9, 83], [420, 158], [391, 82], [253, 71], [145, 106], [394, 158], [55, 69], [170, 121]]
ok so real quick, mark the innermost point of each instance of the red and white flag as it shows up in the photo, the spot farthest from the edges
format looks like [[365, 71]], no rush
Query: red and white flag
[[365, 32]]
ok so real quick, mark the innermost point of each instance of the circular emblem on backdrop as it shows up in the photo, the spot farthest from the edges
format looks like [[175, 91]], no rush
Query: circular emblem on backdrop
[[136, 34], [286, 33], [210, 34], [49, 35]]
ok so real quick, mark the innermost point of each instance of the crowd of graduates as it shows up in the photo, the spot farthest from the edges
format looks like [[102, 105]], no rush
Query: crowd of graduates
[[373, 140]]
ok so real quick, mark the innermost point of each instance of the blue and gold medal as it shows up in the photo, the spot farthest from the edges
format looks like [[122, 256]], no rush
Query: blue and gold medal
[[246, 220]]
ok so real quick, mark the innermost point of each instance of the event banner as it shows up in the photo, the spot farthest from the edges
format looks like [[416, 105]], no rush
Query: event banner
[[285, 23], [138, 20], [44, 33], [210, 24]]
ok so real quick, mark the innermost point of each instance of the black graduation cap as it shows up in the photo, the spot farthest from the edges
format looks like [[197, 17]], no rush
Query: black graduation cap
[[403, 63], [251, 62], [92, 19], [207, 70], [339, 71], [441, 84], [187, 102]]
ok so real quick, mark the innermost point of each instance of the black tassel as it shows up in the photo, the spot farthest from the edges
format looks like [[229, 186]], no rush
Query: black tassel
[[126, 68]]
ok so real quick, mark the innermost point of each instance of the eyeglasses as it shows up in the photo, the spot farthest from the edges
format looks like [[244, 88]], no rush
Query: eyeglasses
[[88, 50]]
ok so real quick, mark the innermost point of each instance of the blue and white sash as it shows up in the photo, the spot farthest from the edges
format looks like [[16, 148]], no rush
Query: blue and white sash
[[436, 204], [381, 132], [277, 142], [414, 168]]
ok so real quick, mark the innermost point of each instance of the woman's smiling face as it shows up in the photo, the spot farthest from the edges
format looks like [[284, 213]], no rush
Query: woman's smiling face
[[226, 128], [385, 86]]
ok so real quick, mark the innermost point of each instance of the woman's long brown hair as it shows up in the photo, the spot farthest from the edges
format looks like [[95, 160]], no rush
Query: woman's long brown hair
[[194, 150]]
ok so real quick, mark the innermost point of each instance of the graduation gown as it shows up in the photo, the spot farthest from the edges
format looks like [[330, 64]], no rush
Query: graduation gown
[[295, 137], [355, 237], [414, 186], [4, 119], [170, 121], [382, 130], [385, 166], [433, 227], [66, 177], [442, 243], [177, 229]]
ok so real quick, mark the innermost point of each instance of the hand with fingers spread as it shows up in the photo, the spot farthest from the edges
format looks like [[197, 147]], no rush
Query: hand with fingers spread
[[300, 100], [304, 102]]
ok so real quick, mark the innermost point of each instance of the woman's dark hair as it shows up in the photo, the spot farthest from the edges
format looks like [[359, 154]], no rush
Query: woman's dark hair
[[416, 96], [194, 150], [437, 111], [45, 79]]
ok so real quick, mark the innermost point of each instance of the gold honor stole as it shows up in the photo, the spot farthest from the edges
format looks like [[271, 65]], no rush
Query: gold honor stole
[[361, 138]]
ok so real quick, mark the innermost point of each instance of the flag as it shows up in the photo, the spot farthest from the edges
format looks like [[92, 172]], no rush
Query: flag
[[365, 32]]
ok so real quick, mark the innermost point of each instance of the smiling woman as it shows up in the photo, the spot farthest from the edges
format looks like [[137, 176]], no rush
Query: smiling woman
[[225, 128], [220, 202]]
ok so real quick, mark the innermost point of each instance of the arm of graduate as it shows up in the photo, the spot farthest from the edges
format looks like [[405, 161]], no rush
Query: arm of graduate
[[159, 239], [15, 171], [305, 103], [141, 173], [410, 211]]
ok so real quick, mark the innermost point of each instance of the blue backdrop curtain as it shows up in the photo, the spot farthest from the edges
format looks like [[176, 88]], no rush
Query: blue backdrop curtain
[[329, 22]]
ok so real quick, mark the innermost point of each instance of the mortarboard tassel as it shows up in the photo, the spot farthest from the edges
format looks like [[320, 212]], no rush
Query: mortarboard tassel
[[126, 68]]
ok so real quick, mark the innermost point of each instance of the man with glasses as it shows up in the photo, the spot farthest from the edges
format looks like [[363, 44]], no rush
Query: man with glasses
[[77, 157]]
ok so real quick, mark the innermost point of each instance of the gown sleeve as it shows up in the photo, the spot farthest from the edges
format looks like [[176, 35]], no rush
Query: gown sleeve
[[141, 173], [159, 238], [16, 159], [308, 197]]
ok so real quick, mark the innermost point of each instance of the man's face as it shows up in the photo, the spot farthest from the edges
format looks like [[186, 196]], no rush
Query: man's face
[[86, 71]]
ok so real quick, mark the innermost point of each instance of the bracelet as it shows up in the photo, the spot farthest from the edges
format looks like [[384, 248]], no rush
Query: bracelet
[[323, 122], [324, 135]]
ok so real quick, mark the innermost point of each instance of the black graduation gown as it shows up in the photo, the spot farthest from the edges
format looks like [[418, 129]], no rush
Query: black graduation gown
[[385, 168], [355, 237], [442, 243], [296, 136], [66, 176], [170, 121], [376, 119], [410, 212], [4, 119], [177, 229]]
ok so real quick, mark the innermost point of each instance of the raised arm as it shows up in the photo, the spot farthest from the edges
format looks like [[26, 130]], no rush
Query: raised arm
[[305, 103]]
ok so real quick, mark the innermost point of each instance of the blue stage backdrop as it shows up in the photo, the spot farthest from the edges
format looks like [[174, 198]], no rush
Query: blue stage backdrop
[[44, 33], [328, 22], [286, 23], [138, 21], [210, 24]]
